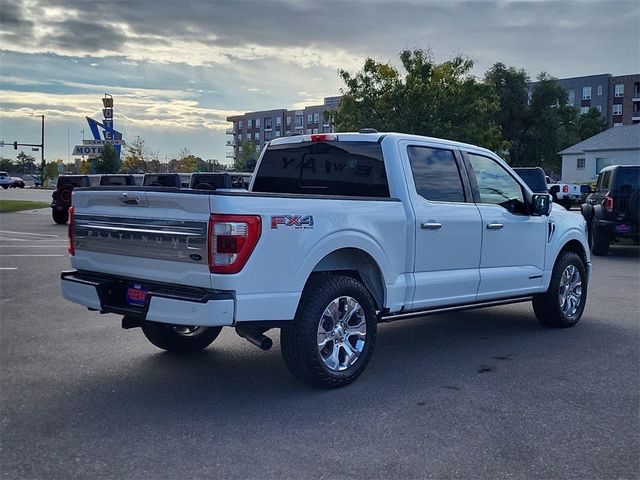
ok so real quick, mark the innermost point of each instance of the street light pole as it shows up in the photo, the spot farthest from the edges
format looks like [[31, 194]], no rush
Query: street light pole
[[42, 151]]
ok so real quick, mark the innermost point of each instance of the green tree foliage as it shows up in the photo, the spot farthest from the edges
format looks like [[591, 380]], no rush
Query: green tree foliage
[[25, 163], [536, 129], [51, 171], [107, 162], [6, 165], [246, 161], [135, 160], [590, 124], [70, 168], [434, 99]]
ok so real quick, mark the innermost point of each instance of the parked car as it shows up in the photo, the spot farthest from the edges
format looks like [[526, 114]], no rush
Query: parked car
[[162, 180], [534, 177], [612, 210], [566, 194], [62, 195], [17, 182], [5, 180], [352, 229], [37, 180]]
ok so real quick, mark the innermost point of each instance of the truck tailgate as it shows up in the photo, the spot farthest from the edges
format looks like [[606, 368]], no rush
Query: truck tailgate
[[148, 234]]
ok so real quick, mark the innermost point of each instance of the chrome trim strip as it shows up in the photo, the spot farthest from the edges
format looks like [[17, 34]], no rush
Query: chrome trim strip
[[162, 239]]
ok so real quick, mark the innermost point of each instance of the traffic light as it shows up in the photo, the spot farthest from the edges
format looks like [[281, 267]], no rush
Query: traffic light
[[15, 145]]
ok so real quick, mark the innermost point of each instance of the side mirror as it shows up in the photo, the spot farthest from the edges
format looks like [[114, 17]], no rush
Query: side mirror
[[541, 204], [585, 189]]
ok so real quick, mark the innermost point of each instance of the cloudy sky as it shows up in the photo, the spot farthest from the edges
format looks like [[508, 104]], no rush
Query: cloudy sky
[[178, 68]]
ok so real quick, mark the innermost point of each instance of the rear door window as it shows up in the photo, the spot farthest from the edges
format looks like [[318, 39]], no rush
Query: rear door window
[[436, 174], [323, 168]]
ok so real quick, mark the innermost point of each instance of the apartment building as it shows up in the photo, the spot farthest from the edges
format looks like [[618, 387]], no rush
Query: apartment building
[[260, 127], [616, 98], [624, 100]]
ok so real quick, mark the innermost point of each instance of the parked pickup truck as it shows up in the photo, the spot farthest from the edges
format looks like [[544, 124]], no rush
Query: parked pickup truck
[[337, 233], [566, 194]]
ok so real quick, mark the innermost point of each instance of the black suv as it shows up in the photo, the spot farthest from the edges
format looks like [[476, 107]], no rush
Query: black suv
[[62, 195], [612, 210]]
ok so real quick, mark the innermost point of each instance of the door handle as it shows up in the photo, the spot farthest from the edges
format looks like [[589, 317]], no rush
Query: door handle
[[430, 226], [494, 226]]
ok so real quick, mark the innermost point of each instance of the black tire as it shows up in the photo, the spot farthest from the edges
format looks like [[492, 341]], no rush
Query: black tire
[[549, 306], [60, 216], [5, 186], [179, 338], [64, 195], [299, 340], [599, 239]]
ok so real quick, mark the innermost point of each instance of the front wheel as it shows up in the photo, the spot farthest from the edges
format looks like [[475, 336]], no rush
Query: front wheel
[[331, 339], [562, 304], [179, 338]]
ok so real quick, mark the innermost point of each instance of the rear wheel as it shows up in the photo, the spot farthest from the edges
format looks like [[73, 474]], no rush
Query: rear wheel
[[562, 304], [600, 239], [179, 338], [60, 216], [331, 339]]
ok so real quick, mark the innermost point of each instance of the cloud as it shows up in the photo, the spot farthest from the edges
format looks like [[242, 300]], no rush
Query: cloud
[[132, 110]]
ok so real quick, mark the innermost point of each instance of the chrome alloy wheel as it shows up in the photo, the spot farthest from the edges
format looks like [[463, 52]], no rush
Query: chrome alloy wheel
[[570, 291], [342, 332], [187, 331]]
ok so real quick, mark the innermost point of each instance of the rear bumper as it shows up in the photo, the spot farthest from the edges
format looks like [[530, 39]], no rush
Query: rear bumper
[[166, 303], [618, 229]]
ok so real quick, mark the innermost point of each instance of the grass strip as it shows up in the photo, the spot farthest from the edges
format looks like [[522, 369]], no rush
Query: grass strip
[[19, 205]]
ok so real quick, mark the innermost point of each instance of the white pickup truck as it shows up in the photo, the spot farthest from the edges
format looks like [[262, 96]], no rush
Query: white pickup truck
[[337, 233], [566, 194]]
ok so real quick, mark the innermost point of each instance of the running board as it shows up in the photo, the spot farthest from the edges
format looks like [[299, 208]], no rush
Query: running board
[[457, 308]]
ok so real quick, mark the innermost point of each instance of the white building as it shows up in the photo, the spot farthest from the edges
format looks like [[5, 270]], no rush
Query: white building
[[583, 161]]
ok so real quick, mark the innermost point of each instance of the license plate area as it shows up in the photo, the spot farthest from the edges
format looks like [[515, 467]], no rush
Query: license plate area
[[136, 295]]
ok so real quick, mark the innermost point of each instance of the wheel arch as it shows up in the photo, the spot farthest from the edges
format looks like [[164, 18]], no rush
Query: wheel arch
[[576, 247], [358, 264]]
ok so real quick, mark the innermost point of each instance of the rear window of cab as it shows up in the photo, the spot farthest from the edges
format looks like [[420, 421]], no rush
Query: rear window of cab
[[323, 168]]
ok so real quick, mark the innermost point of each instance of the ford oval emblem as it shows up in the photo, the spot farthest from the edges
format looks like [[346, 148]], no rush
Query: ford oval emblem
[[195, 257]]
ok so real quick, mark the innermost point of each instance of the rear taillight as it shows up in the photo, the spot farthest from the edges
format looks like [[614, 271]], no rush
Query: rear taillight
[[565, 188], [71, 249], [232, 239], [608, 204]]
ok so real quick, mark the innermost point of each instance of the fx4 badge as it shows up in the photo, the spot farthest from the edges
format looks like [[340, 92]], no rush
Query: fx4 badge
[[295, 221]]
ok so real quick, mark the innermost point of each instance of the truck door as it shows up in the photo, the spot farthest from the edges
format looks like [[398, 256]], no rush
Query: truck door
[[513, 242], [448, 228]]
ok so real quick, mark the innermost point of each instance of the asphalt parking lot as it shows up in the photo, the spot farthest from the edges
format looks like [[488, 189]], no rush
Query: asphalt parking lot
[[480, 394]]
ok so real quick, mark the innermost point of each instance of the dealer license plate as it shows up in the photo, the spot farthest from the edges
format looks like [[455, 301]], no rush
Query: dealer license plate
[[623, 228], [136, 295]]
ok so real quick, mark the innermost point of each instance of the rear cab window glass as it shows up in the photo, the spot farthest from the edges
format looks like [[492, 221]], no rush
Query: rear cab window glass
[[323, 168], [436, 174]]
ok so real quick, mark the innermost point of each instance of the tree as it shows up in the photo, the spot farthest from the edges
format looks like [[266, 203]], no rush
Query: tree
[[107, 162], [433, 99], [590, 124], [134, 160], [510, 84], [246, 161], [51, 171], [6, 164], [25, 163]]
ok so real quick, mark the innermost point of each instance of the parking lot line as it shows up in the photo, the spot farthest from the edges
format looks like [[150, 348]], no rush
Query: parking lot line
[[28, 233], [62, 245], [8, 268], [34, 255], [14, 239]]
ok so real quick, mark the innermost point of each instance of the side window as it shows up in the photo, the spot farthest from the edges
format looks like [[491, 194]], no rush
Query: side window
[[436, 174], [496, 186], [606, 178]]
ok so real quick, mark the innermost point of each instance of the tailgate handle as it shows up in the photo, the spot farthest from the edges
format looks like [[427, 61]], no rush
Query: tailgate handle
[[124, 198]]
